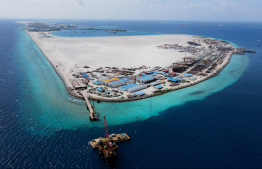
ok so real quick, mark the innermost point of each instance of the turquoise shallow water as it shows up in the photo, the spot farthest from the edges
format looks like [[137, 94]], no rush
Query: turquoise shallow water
[[52, 109], [55, 110]]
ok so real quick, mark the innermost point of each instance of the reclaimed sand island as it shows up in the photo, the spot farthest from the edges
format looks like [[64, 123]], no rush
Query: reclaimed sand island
[[126, 68]]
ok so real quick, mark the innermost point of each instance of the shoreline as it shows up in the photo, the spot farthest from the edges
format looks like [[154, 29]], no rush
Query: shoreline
[[71, 93], [56, 70]]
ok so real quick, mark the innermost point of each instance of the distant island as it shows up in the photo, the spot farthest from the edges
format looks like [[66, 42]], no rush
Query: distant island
[[40, 26]]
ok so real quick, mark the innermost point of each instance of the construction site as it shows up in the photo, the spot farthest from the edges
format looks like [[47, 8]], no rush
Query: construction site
[[198, 63], [200, 60], [203, 57]]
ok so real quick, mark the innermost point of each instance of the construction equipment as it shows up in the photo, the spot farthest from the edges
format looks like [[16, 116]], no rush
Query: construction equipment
[[106, 130], [206, 62], [179, 64], [106, 146], [188, 58]]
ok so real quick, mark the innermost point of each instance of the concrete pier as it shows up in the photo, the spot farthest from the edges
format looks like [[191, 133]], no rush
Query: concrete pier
[[93, 114]]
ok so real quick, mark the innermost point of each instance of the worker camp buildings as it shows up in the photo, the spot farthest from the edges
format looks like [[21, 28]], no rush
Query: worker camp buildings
[[146, 79], [115, 85]]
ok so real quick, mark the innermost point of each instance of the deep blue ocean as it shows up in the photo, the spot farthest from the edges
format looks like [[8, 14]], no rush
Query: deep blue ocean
[[215, 124]]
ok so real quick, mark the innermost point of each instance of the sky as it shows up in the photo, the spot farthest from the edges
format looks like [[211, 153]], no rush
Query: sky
[[199, 10]]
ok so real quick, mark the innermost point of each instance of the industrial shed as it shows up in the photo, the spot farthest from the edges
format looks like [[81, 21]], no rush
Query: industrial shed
[[102, 79], [126, 87], [145, 79], [136, 88], [117, 83]]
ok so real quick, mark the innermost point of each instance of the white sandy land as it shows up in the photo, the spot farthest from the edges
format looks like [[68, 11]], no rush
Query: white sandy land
[[117, 51]]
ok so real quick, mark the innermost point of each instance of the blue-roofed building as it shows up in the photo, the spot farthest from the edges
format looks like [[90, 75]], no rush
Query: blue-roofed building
[[117, 83], [126, 87], [104, 78], [100, 89], [176, 80], [172, 80], [141, 93], [187, 75], [158, 86], [84, 75], [145, 79], [160, 73], [137, 88], [97, 82]]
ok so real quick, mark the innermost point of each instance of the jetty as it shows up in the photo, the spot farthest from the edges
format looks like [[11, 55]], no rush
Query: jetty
[[250, 51], [93, 115]]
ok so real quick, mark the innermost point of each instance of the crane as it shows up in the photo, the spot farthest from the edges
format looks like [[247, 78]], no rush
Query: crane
[[181, 64], [188, 58], [106, 128], [178, 42], [106, 132]]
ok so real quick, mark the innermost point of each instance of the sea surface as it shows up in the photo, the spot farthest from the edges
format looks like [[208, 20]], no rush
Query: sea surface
[[215, 124]]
